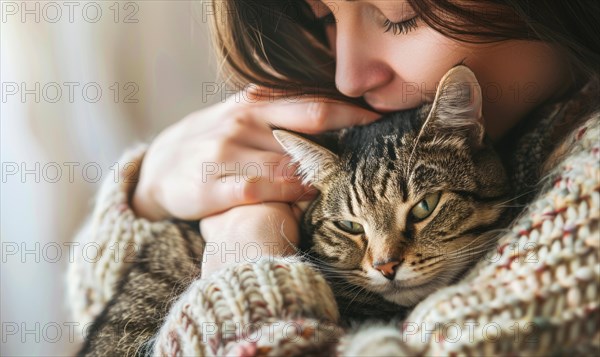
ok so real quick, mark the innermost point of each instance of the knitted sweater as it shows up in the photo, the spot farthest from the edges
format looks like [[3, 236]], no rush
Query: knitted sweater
[[536, 294]]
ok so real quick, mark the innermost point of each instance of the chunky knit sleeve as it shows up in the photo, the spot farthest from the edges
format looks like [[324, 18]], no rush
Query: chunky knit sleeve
[[537, 294], [109, 241], [276, 307]]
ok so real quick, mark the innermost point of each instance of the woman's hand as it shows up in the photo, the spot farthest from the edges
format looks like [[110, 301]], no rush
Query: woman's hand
[[247, 233], [226, 156]]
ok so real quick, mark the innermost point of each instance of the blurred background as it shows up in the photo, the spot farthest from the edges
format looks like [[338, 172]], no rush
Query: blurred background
[[81, 81]]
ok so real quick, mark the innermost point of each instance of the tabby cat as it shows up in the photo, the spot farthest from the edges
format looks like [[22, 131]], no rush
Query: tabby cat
[[407, 204], [405, 207]]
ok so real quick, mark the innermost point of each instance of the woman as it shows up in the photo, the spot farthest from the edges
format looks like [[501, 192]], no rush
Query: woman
[[537, 66]]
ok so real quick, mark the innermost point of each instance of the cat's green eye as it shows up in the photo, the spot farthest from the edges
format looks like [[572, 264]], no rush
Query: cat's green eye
[[424, 208], [350, 227]]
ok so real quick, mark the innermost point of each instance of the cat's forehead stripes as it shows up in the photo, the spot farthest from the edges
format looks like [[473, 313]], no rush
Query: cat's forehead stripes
[[378, 175]]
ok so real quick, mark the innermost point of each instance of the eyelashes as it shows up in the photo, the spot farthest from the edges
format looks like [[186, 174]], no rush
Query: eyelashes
[[402, 27], [396, 28]]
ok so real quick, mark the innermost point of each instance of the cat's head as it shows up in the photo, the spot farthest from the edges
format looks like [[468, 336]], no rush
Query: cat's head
[[404, 202]]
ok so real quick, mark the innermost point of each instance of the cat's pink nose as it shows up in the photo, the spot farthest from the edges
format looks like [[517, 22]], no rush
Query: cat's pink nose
[[388, 269]]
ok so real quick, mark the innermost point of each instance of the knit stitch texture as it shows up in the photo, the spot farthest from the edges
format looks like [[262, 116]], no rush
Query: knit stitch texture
[[536, 294]]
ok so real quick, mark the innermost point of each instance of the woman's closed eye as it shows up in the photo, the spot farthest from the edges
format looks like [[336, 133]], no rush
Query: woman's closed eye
[[402, 27], [409, 23], [395, 28]]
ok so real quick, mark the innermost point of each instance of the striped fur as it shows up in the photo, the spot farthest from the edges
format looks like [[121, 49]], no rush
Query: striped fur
[[375, 174]]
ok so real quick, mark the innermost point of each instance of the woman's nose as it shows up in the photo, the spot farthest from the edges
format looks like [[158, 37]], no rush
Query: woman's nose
[[359, 65]]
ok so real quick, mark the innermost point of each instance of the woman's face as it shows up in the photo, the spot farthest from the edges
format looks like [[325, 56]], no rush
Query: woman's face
[[394, 60]]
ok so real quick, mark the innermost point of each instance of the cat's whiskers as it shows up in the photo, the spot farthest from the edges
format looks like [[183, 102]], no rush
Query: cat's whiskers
[[322, 263], [362, 289], [502, 204], [462, 252], [330, 270], [459, 257], [295, 249], [417, 140], [446, 272], [462, 261], [443, 277], [485, 237]]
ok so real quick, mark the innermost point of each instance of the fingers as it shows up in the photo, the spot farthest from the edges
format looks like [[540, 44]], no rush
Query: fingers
[[279, 189], [254, 176], [307, 114], [245, 161], [313, 116], [251, 133]]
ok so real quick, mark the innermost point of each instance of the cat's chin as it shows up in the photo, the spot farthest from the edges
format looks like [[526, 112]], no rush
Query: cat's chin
[[408, 296]]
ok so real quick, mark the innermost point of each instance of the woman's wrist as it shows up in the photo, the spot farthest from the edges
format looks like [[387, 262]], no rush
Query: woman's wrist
[[132, 191], [145, 206], [139, 197], [245, 234]]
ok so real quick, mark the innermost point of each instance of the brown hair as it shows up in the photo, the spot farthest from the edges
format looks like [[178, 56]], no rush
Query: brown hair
[[280, 44]]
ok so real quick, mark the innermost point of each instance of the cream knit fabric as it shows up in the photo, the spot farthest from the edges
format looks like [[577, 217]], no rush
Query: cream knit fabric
[[538, 294], [108, 242], [274, 304]]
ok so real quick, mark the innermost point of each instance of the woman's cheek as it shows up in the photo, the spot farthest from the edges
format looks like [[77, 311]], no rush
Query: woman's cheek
[[419, 62]]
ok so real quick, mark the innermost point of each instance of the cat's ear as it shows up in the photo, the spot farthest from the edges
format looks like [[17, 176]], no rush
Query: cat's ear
[[314, 161], [457, 107]]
